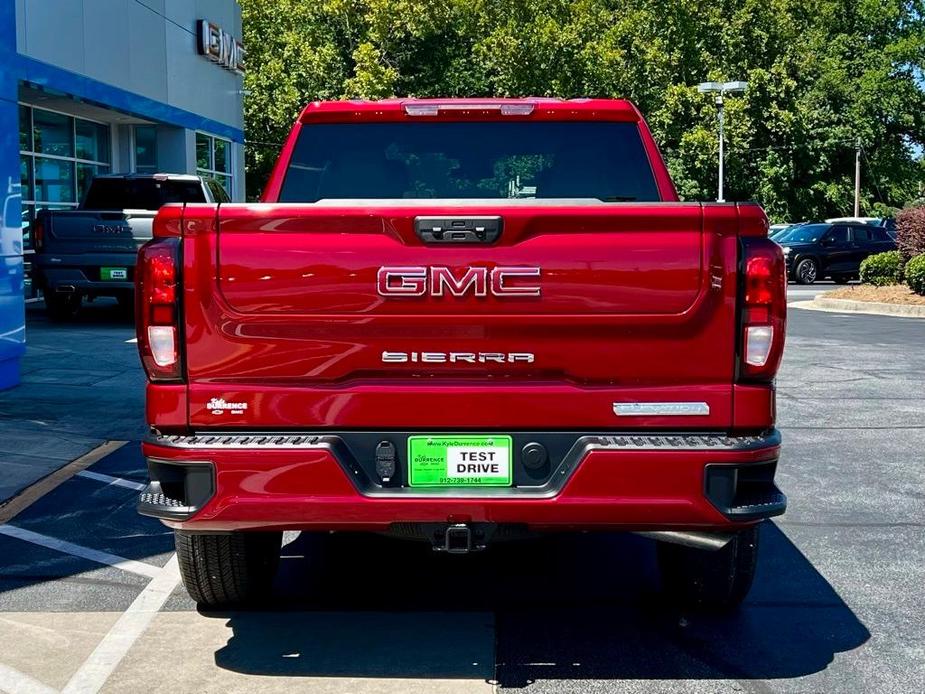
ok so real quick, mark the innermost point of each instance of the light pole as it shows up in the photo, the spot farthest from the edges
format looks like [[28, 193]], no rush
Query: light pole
[[721, 89]]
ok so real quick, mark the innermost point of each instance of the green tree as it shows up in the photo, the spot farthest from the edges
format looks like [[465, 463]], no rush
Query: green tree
[[822, 75]]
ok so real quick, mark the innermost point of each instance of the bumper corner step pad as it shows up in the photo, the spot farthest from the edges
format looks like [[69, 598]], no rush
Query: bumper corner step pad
[[154, 503]]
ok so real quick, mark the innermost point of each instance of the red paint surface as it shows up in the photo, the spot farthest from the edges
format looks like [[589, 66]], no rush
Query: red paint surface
[[639, 303], [302, 490]]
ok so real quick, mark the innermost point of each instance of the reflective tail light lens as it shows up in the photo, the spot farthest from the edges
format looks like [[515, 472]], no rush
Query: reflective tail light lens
[[758, 342], [764, 309], [158, 310], [38, 235]]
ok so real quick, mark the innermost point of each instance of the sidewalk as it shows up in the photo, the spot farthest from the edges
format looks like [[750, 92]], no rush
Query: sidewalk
[[82, 385]]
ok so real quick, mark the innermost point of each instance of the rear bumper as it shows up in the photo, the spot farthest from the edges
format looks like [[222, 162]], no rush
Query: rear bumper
[[80, 273], [226, 482]]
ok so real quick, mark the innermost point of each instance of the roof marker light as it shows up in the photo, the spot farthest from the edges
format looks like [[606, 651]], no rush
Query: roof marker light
[[421, 109]]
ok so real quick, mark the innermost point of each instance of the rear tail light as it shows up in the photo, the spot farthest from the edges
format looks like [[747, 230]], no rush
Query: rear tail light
[[158, 308], [38, 235], [764, 309]]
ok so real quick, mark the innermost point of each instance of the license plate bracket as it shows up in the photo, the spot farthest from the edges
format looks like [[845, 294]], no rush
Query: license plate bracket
[[463, 460]]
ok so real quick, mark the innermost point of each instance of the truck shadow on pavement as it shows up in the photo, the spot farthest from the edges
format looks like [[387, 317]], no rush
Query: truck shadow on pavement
[[560, 608]]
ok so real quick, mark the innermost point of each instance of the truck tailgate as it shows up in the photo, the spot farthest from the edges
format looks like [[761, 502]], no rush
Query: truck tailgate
[[286, 317], [89, 231]]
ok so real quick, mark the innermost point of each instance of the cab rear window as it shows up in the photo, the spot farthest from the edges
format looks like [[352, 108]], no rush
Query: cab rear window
[[140, 193], [446, 160]]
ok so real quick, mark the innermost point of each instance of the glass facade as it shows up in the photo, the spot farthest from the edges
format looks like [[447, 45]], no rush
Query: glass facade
[[213, 160], [146, 149], [58, 157]]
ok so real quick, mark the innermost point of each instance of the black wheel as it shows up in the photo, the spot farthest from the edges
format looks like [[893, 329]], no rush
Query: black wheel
[[225, 570], [62, 306], [710, 579], [807, 271], [841, 279]]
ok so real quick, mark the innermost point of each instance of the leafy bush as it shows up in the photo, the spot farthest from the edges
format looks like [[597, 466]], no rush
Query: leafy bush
[[882, 269], [910, 231], [915, 274]]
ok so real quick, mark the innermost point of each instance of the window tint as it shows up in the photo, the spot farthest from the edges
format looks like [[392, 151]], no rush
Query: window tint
[[146, 149], [807, 233], [53, 133], [879, 234], [218, 192], [140, 193], [513, 159], [862, 235], [837, 235], [92, 140]]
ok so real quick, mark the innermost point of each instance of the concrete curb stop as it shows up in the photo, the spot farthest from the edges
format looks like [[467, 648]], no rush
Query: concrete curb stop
[[822, 303]]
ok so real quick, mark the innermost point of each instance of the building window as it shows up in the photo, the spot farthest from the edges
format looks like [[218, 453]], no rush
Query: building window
[[146, 148], [213, 160], [58, 156]]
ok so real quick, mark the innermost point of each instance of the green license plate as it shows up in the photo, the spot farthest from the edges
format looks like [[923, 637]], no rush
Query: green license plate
[[114, 273], [459, 461]]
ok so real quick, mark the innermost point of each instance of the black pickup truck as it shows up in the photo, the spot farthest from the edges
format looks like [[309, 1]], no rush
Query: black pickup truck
[[91, 251]]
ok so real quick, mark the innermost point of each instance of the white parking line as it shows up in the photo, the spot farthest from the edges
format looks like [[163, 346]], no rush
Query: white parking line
[[33, 493], [92, 675], [16, 682], [109, 479], [135, 567]]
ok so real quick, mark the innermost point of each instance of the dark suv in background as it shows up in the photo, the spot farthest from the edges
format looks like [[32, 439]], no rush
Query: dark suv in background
[[818, 250]]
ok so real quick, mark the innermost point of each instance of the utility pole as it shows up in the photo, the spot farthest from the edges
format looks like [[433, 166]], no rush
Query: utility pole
[[857, 179], [721, 89]]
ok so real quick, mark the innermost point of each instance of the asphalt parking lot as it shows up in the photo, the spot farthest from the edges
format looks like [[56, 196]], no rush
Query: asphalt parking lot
[[90, 596]]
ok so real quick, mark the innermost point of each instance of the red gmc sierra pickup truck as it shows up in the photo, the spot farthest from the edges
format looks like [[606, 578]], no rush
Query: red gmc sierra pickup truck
[[463, 321]]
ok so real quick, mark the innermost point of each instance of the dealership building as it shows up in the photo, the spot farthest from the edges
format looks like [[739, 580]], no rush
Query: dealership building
[[107, 86]]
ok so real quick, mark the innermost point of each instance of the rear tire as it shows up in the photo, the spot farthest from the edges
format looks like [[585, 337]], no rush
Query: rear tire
[[713, 580], [806, 271], [226, 570], [62, 307]]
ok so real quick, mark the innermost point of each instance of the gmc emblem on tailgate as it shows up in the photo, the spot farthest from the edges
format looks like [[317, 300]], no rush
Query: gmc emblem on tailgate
[[440, 280]]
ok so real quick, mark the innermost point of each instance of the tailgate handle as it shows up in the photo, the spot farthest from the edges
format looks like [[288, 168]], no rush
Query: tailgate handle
[[458, 229]]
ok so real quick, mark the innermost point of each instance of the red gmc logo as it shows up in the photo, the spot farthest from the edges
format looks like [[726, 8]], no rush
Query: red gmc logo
[[439, 280]]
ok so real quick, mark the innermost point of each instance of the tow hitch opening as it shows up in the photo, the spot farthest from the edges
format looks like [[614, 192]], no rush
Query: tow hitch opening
[[457, 540]]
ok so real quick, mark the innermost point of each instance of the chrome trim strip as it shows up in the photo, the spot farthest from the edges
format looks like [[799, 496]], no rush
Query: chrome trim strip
[[697, 540], [660, 409]]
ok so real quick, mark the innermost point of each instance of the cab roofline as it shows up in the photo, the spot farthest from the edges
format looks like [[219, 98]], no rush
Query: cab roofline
[[540, 108]]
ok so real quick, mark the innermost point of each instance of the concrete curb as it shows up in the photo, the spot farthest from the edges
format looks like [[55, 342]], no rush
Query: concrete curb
[[822, 303]]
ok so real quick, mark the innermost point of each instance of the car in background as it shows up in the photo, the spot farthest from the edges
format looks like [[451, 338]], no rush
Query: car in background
[[778, 229], [835, 250], [90, 251], [888, 223]]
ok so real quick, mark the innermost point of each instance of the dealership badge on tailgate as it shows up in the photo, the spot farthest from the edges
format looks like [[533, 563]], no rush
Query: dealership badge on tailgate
[[459, 461]]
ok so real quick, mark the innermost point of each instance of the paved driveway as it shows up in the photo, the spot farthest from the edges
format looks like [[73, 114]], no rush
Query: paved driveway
[[89, 595]]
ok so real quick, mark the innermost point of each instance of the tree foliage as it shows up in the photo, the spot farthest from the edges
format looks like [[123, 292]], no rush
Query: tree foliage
[[822, 74]]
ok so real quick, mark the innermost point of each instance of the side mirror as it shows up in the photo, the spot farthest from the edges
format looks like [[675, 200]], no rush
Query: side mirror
[[828, 241]]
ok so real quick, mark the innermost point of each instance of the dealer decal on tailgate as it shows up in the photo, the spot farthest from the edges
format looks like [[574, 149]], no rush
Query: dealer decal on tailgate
[[448, 461]]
